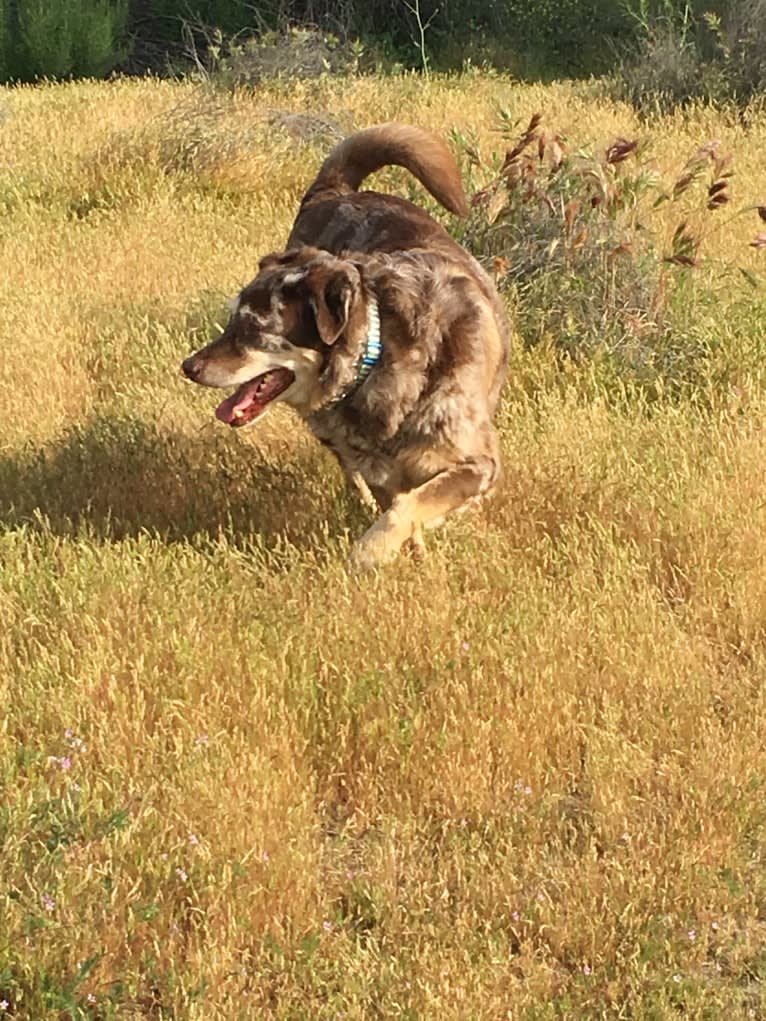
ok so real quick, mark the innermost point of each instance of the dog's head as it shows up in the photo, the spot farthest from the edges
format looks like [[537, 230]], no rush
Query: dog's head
[[304, 310]]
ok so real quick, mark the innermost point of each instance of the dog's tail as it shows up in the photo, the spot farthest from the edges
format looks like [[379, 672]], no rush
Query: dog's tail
[[423, 154]]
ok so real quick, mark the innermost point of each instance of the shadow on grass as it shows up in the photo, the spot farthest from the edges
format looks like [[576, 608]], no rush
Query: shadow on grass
[[116, 478]]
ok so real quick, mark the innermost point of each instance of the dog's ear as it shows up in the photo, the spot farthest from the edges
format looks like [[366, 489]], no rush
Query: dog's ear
[[273, 260], [331, 293]]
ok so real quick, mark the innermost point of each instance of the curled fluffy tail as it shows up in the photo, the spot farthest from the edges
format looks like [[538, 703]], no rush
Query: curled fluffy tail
[[423, 154]]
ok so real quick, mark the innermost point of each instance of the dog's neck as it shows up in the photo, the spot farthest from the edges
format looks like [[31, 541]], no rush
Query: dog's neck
[[370, 356]]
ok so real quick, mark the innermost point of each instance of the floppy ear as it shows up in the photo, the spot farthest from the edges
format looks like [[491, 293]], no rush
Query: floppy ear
[[332, 291], [276, 259]]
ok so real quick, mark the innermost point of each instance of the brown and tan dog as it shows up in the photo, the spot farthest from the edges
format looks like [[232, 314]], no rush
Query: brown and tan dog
[[384, 334]]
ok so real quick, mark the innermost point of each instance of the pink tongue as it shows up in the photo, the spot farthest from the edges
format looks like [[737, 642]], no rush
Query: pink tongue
[[240, 400]]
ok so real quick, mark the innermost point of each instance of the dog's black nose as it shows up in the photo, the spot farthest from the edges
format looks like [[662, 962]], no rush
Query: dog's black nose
[[191, 368]]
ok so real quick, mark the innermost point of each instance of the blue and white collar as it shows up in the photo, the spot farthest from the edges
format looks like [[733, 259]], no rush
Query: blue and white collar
[[374, 346], [371, 355]]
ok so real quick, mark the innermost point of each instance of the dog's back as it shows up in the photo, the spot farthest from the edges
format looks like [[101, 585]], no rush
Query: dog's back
[[335, 216]]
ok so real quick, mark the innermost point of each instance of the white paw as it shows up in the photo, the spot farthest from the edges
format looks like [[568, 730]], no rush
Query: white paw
[[368, 554]]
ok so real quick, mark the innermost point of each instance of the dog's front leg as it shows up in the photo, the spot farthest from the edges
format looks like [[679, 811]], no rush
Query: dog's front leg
[[424, 507], [357, 482]]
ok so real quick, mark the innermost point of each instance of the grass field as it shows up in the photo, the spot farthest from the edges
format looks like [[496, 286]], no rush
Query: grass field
[[526, 780]]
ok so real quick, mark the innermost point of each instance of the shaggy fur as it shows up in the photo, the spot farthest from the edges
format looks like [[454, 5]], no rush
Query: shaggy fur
[[415, 437]]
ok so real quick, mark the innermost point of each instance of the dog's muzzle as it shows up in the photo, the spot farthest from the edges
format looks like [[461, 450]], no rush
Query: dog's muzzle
[[191, 368]]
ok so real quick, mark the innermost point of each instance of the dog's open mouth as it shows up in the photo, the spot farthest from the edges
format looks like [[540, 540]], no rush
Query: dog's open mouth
[[253, 397]]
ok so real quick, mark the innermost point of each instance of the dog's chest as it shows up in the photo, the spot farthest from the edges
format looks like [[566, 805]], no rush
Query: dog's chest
[[358, 443]]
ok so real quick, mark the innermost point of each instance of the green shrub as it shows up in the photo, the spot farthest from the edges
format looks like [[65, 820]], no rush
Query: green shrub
[[545, 36], [680, 56], [247, 60], [60, 38], [63, 38], [742, 44], [4, 41], [99, 44]]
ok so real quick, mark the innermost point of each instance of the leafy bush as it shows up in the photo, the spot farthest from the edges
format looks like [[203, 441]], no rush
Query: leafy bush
[[62, 38], [742, 43], [546, 36], [591, 267], [680, 57], [4, 38], [562, 36], [295, 53]]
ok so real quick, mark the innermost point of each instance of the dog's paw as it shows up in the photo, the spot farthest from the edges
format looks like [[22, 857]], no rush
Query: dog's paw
[[383, 542], [379, 545], [366, 555]]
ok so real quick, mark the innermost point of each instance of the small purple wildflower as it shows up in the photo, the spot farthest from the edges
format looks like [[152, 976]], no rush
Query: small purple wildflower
[[182, 874], [692, 934], [193, 839], [90, 998], [676, 977], [202, 740], [715, 926], [586, 969], [266, 857], [327, 925], [465, 646], [515, 916], [65, 762], [48, 902], [4, 1005]]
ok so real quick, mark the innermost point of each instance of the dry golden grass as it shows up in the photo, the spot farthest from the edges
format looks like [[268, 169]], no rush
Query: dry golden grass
[[525, 780]]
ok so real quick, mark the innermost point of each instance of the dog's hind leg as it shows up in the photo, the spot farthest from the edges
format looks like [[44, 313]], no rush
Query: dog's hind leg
[[416, 546], [424, 507]]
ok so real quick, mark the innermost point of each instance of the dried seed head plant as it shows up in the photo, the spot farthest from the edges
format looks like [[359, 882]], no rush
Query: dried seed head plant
[[577, 240]]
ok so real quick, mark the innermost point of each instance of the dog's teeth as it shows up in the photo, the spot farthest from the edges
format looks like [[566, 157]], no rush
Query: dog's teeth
[[238, 412]]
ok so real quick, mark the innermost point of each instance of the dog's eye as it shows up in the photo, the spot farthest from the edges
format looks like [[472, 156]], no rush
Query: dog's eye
[[255, 305], [239, 346]]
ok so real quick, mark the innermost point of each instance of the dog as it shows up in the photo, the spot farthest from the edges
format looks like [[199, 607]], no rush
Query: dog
[[383, 333]]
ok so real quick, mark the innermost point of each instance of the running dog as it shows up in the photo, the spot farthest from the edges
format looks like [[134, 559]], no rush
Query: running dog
[[383, 333]]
